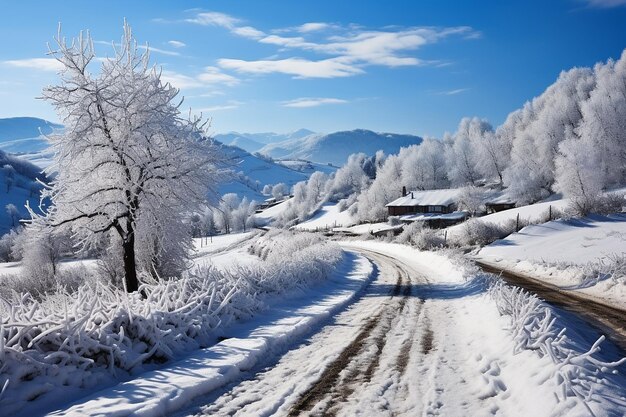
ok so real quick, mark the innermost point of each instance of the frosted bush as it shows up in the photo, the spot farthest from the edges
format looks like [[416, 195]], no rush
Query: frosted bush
[[423, 238], [611, 267], [534, 327], [477, 232], [98, 329]]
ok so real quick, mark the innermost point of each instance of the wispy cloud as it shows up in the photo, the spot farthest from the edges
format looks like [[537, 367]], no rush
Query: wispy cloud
[[210, 76], [230, 105], [313, 27], [42, 64], [305, 102], [214, 19], [176, 44], [143, 47], [605, 4], [298, 67], [347, 52], [452, 92]]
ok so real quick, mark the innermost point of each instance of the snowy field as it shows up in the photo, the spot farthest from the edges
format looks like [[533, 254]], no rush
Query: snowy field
[[558, 251], [441, 345], [89, 339], [327, 217], [534, 213], [247, 344]]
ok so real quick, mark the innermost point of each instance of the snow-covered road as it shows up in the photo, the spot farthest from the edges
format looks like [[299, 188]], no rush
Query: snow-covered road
[[422, 340]]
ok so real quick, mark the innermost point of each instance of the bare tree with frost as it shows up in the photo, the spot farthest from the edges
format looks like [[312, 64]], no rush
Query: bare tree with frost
[[128, 166]]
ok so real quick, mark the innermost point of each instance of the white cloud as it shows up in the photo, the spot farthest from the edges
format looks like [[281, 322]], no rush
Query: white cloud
[[313, 27], [301, 68], [159, 51], [143, 47], [214, 19], [179, 80], [452, 92], [177, 44], [605, 4], [312, 102], [231, 104], [248, 32], [211, 76], [42, 64], [349, 52]]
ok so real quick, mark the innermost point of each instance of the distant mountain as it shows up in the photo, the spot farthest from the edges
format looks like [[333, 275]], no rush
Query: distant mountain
[[21, 136], [335, 147], [253, 173], [24, 136], [252, 142], [25, 127], [18, 184]]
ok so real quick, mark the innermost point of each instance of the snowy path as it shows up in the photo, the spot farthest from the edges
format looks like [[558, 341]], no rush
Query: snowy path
[[420, 341], [249, 343]]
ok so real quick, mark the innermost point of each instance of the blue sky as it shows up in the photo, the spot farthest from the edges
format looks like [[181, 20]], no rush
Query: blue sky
[[397, 66]]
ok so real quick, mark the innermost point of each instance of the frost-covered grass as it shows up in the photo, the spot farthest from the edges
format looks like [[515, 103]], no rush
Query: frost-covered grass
[[534, 327], [97, 332]]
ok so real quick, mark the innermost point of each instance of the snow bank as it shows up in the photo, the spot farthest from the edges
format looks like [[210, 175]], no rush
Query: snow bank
[[99, 333], [250, 344], [576, 254], [533, 326], [327, 217]]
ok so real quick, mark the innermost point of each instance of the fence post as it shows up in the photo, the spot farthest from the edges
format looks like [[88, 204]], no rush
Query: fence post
[[550, 213], [517, 223]]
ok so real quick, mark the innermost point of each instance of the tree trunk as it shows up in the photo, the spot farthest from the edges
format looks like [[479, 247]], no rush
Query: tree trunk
[[130, 267]]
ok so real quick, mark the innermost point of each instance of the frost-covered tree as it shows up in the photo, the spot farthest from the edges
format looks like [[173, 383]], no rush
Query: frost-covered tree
[[578, 176], [228, 204], [604, 120], [462, 151], [13, 213], [127, 163], [243, 215], [537, 130], [280, 190], [350, 178]]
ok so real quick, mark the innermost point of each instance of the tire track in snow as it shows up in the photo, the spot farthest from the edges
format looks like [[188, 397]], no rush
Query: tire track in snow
[[336, 386]]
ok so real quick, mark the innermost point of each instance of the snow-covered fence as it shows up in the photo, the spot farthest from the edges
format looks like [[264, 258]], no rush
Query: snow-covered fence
[[534, 327], [70, 338]]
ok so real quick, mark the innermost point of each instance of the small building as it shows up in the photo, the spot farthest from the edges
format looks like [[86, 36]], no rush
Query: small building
[[428, 201], [499, 202], [436, 208]]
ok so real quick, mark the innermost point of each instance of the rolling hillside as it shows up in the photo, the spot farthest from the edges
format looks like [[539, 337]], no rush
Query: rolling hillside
[[335, 147]]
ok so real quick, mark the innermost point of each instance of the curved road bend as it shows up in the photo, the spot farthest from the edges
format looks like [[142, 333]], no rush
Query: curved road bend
[[368, 344], [610, 320]]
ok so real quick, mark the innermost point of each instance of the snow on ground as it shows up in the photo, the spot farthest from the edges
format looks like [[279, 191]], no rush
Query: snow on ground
[[532, 213], [327, 217], [544, 251], [268, 215], [227, 251], [442, 348], [247, 344]]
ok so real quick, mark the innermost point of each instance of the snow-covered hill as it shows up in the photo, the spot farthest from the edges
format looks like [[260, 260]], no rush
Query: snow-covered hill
[[252, 142], [253, 173], [335, 147], [24, 136], [18, 184]]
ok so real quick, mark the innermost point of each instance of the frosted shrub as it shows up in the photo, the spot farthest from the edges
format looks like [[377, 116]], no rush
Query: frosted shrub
[[477, 232], [534, 328], [611, 267], [423, 238], [81, 331]]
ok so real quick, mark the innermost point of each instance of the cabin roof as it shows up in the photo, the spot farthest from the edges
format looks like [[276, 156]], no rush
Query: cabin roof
[[427, 198]]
